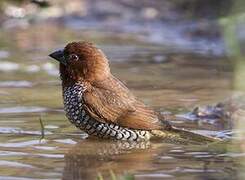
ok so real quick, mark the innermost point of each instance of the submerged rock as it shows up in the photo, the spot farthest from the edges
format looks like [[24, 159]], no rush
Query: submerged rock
[[224, 112]]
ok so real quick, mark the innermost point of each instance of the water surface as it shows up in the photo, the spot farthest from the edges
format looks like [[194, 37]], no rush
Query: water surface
[[170, 81]]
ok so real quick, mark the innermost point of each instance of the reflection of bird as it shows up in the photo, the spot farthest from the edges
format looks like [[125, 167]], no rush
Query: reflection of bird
[[98, 103], [84, 161], [141, 159]]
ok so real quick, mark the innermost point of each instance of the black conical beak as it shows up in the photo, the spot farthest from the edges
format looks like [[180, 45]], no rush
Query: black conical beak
[[59, 56]]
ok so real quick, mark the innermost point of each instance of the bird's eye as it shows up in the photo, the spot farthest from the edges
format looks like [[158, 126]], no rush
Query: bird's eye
[[73, 57]]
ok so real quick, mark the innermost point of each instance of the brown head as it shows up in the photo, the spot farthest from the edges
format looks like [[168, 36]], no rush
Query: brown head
[[81, 62]]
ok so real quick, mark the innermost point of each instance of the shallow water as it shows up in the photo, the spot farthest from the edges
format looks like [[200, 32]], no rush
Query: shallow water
[[169, 81]]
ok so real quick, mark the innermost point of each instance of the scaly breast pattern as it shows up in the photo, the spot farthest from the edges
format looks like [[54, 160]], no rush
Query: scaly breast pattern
[[75, 112]]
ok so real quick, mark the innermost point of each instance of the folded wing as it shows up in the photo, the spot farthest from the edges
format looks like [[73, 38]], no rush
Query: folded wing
[[110, 101]]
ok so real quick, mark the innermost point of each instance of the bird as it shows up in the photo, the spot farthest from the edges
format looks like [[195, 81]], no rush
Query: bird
[[98, 103]]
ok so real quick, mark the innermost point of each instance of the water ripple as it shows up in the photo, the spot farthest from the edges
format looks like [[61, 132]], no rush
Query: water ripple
[[16, 84], [49, 148], [232, 155], [17, 178], [8, 66], [21, 144], [159, 175], [52, 155], [8, 153], [22, 109], [15, 164], [11, 130], [66, 141]]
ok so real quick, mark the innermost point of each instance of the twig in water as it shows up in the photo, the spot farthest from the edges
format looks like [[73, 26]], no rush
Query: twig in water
[[42, 128]]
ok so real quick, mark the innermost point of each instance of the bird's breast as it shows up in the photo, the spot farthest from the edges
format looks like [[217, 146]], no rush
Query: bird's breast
[[75, 112], [73, 104]]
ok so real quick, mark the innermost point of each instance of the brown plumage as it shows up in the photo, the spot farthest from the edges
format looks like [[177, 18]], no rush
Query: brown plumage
[[107, 99], [104, 98]]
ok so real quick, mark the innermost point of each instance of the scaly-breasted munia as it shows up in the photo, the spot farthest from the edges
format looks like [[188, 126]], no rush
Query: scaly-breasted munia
[[98, 103]]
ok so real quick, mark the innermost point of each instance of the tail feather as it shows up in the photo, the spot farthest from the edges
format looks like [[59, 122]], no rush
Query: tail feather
[[180, 136]]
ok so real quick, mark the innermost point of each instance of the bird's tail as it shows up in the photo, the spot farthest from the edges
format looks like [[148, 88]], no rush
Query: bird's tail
[[180, 136]]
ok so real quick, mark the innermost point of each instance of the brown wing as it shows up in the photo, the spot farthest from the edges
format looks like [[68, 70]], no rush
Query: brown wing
[[110, 101]]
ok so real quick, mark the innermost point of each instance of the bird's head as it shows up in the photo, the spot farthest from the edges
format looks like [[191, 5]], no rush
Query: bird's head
[[81, 61]]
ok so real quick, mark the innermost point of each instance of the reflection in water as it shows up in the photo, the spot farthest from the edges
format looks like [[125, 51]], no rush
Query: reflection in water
[[90, 158]]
